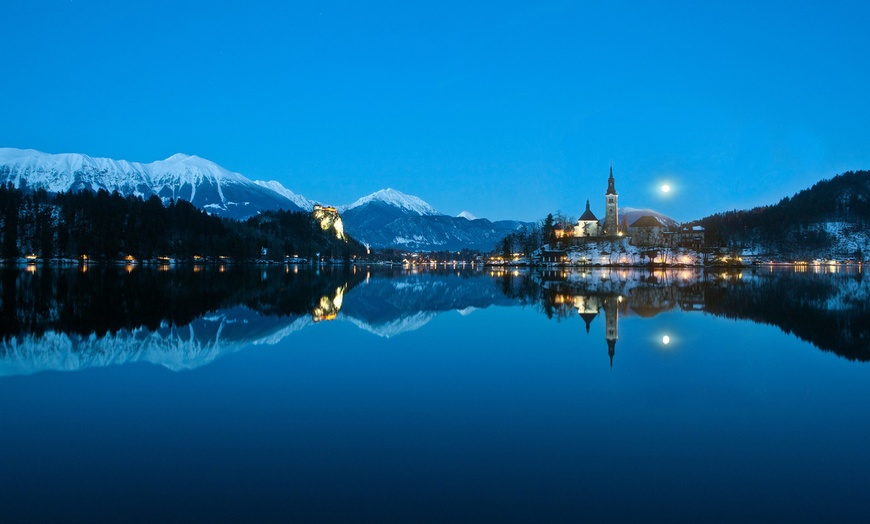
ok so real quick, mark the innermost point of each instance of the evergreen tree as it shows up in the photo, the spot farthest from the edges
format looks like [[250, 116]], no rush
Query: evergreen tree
[[548, 232]]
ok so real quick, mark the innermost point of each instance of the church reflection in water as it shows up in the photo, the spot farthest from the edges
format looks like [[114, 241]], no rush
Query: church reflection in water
[[590, 306], [830, 311], [615, 294], [612, 307], [186, 317]]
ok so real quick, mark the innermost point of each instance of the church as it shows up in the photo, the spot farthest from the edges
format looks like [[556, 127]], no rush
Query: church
[[589, 226]]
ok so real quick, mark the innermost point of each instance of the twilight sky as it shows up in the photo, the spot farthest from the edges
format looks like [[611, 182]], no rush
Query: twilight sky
[[505, 109]]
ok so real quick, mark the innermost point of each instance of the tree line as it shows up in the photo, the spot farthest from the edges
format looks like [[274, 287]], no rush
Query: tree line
[[547, 231], [793, 223], [109, 226], [108, 299]]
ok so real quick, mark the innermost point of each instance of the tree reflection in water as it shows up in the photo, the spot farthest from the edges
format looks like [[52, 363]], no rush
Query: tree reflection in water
[[829, 310], [183, 317]]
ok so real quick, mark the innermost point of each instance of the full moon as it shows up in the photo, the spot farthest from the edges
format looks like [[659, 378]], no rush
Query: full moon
[[665, 188], [666, 340]]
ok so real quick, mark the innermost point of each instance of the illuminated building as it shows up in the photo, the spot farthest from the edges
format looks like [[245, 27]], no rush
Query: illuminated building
[[328, 217], [611, 220]]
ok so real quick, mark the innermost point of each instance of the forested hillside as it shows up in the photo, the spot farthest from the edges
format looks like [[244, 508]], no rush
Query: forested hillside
[[107, 226], [830, 218]]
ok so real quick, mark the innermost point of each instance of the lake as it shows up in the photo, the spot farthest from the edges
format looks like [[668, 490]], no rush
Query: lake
[[433, 394]]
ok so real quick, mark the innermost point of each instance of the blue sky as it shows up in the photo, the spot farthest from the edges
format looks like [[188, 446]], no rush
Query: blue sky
[[505, 109]]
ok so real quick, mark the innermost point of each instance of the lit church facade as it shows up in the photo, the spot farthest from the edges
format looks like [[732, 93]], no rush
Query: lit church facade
[[589, 226], [646, 231]]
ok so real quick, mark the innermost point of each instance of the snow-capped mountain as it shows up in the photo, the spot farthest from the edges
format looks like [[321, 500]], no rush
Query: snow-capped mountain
[[466, 215], [392, 198], [389, 218], [386, 218], [187, 177]]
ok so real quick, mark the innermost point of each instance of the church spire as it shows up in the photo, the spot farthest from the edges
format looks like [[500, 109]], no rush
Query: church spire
[[611, 218], [611, 189]]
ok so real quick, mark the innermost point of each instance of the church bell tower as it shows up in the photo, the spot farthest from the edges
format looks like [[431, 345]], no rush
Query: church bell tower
[[611, 325], [611, 218]]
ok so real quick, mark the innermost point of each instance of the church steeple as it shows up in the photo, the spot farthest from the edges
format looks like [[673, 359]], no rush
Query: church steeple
[[611, 189], [611, 325], [611, 218]]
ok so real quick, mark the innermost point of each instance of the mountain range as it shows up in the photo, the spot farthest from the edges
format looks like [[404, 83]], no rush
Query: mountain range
[[384, 219], [187, 177], [389, 218]]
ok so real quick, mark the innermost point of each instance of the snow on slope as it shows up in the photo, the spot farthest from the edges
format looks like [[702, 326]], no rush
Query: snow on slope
[[67, 171], [466, 215], [189, 171], [403, 324], [174, 347], [276, 186], [189, 177], [394, 198]]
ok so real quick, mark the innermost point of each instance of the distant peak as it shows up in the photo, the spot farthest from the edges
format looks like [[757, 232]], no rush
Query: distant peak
[[177, 157], [631, 214], [392, 197], [466, 215], [390, 192]]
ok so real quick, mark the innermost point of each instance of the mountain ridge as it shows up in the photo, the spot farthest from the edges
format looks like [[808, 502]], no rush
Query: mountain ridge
[[201, 182], [384, 218]]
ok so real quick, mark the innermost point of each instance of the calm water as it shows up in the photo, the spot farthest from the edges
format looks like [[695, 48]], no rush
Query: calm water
[[283, 394]]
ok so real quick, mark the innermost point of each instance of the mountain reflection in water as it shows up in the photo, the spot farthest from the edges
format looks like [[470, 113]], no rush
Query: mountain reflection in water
[[67, 319]]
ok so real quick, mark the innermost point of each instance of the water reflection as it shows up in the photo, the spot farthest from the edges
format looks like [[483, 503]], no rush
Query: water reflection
[[829, 309], [185, 317], [329, 306], [180, 318]]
